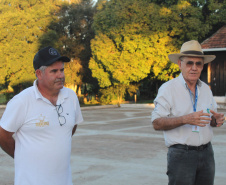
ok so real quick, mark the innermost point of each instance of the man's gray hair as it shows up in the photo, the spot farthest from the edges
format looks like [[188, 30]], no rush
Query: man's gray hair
[[42, 69], [181, 58]]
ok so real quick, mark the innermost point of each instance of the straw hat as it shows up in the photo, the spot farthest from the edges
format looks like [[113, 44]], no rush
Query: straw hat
[[191, 49]]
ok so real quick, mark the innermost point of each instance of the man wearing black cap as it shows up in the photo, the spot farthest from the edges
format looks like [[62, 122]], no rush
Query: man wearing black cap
[[37, 125], [186, 112]]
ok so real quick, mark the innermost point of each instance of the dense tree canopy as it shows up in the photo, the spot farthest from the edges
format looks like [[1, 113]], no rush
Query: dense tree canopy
[[131, 42], [28, 25], [21, 23], [130, 39], [133, 37], [70, 32]]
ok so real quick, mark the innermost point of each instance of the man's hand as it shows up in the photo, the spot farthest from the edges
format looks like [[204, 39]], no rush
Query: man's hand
[[197, 118], [219, 117]]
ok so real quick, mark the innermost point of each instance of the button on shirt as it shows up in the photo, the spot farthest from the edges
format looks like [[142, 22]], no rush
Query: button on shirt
[[174, 100]]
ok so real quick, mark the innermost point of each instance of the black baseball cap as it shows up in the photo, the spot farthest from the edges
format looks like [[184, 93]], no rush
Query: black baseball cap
[[47, 56]]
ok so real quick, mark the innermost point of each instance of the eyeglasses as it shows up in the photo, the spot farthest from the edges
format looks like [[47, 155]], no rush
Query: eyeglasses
[[191, 63], [62, 119]]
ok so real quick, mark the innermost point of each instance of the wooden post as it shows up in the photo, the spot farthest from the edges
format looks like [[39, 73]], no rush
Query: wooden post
[[209, 75], [135, 98]]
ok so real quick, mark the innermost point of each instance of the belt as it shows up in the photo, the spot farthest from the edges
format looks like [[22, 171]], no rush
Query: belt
[[187, 147]]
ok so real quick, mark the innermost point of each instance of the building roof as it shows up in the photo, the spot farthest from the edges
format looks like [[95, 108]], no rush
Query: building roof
[[217, 40]]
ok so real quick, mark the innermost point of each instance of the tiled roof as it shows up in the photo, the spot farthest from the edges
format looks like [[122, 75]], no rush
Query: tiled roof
[[217, 40]]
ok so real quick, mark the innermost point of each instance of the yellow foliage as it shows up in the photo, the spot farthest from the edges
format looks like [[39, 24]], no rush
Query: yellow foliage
[[183, 4], [164, 11]]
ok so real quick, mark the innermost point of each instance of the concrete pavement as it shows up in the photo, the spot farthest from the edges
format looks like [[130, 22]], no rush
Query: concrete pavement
[[118, 146]]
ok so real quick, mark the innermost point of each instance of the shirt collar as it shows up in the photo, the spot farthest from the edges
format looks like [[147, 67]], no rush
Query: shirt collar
[[183, 82], [63, 94]]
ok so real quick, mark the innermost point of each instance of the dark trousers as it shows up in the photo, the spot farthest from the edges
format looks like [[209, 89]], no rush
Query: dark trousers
[[191, 167]]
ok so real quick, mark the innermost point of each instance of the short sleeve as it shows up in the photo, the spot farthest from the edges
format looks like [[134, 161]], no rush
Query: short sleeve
[[162, 104], [214, 105], [14, 115], [78, 113]]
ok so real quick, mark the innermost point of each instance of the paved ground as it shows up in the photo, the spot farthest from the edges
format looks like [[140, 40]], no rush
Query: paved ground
[[118, 146]]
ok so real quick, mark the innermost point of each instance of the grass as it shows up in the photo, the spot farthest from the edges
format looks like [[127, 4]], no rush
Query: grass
[[144, 101], [124, 102], [88, 105], [140, 101], [2, 99]]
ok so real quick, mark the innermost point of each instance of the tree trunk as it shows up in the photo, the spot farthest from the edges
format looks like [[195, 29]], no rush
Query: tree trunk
[[135, 98], [79, 91], [72, 86]]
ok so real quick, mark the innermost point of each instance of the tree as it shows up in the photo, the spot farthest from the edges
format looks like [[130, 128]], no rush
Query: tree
[[214, 12], [70, 32], [133, 38], [130, 42], [22, 23]]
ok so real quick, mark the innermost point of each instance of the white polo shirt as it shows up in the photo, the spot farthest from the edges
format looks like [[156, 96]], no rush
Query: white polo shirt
[[173, 100], [42, 146]]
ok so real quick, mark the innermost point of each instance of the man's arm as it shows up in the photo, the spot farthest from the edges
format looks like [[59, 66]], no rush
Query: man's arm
[[7, 142], [74, 129], [196, 118]]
